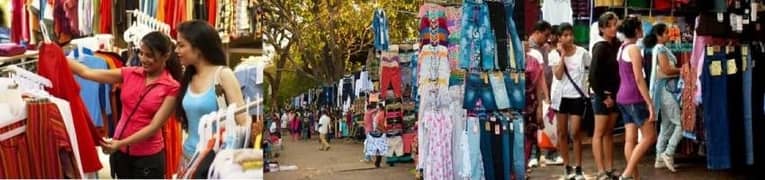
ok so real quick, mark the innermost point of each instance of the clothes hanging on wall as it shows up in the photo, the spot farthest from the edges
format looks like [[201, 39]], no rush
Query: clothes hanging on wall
[[557, 11]]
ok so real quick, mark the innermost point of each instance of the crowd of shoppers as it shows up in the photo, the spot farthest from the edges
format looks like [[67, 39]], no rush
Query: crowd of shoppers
[[613, 80]]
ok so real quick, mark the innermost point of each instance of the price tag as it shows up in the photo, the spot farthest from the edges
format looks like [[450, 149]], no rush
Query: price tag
[[488, 126], [515, 77], [732, 69], [504, 127], [720, 17], [745, 50], [496, 129], [485, 78], [498, 74], [744, 65], [715, 69], [710, 51], [754, 5]]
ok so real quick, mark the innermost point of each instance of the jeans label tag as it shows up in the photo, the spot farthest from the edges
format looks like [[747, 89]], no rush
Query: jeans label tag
[[744, 51], [515, 77], [732, 69], [715, 69]]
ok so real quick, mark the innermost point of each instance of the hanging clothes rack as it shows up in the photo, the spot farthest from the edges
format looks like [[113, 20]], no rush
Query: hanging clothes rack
[[444, 2], [240, 109], [142, 24]]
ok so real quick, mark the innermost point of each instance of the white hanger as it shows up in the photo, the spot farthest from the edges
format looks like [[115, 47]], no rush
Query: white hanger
[[9, 97], [204, 130], [14, 132], [30, 76], [226, 124]]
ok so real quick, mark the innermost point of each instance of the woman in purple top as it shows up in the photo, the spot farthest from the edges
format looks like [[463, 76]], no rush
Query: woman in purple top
[[632, 98]]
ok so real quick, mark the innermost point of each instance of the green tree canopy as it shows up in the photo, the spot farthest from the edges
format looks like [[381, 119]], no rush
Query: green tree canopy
[[314, 40]]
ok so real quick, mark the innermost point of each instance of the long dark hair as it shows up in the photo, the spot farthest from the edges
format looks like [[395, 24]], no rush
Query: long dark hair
[[652, 38], [160, 45], [203, 37], [630, 26]]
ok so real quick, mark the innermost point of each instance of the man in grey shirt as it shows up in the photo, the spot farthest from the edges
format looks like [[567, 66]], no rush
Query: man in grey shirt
[[537, 40]]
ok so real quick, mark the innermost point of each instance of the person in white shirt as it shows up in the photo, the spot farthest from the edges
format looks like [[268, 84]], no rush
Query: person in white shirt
[[285, 119], [570, 64], [324, 123]]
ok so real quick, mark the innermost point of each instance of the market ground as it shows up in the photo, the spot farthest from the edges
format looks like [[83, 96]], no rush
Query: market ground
[[341, 162], [687, 168]]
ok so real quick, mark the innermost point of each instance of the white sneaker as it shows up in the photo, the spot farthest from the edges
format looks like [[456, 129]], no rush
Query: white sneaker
[[659, 163], [533, 163], [579, 174], [669, 162], [557, 161]]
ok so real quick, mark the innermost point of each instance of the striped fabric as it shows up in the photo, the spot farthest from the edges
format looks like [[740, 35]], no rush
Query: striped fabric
[[43, 151], [47, 135], [14, 154]]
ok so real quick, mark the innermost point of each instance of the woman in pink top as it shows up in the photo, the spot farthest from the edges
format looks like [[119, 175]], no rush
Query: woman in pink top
[[148, 98]]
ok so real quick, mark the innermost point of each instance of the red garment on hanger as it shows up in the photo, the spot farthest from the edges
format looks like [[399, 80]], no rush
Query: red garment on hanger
[[169, 11], [530, 17], [212, 11], [14, 154], [106, 17], [18, 17], [48, 137], [53, 65], [178, 17]]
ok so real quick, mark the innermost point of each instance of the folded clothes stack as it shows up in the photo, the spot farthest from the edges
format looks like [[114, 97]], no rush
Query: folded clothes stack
[[11, 49]]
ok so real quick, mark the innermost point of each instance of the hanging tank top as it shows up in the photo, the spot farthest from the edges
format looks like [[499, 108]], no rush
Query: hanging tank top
[[197, 105], [628, 90]]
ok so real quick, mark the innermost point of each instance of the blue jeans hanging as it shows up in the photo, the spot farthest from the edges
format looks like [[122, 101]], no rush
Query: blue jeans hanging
[[713, 80], [477, 45]]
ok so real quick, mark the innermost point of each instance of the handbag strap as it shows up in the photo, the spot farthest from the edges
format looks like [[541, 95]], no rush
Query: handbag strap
[[578, 89], [220, 94], [133, 113]]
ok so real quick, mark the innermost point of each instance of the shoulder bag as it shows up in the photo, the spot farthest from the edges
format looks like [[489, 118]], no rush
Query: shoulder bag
[[588, 117]]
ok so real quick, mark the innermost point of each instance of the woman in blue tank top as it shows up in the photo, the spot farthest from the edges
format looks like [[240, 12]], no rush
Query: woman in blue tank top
[[200, 49]]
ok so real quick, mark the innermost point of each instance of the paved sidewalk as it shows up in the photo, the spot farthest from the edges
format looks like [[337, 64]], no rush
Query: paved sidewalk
[[688, 168], [339, 163]]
